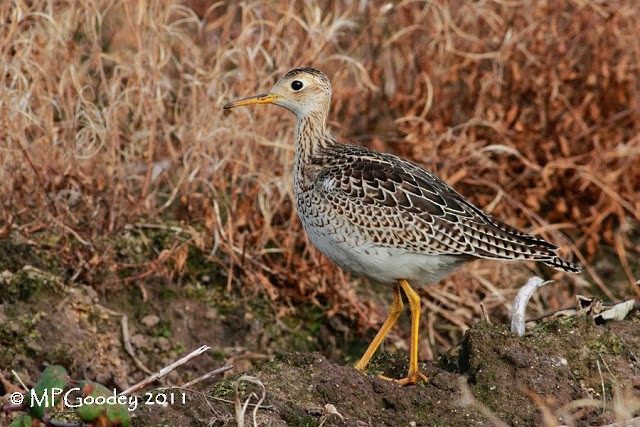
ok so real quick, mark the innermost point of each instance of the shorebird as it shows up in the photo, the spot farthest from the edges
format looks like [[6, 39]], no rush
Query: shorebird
[[379, 216]]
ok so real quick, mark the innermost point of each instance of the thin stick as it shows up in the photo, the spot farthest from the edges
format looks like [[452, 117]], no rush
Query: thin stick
[[206, 376], [15, 374], [242, 409], [220, 399], [519, 308], [124, 322], [483, 312], [604, 391], [164, 371], [467, 399], [571, 310], [628, 423]]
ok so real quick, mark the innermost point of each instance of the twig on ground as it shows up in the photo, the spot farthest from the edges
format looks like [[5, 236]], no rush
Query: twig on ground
[[155, 264], [15, 374], [483, 312], [124, 321], [327, 411], [519, 307], [221, 399], [604, 391], [568, 409], [207, 376], [56, 423], [548, 418], [615, 311], [468, 399], [164, 371], [241, 409], [629, 423]]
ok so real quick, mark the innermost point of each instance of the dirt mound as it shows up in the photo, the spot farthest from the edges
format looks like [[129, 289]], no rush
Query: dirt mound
[[569, 371]]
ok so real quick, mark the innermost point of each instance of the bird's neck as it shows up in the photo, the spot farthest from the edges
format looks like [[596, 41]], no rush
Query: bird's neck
[[311, 139]]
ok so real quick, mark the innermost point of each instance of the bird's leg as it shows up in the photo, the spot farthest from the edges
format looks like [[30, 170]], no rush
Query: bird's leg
[[413, 298], [394, 312]]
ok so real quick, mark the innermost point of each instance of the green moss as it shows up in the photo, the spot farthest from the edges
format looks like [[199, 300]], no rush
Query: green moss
[[28, 283], [283, 358], [164, 329], [294, 415], [18, 338], [387, 364], [196, 291], [61, 354], [201, 270], [299, 360], [225, 389], [218, 354], [607, 343], [15, 253], [301, 327], [179, 348], [270, 366]]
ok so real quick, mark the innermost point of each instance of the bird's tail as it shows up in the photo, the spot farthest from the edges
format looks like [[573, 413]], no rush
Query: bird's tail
[[564, 265]]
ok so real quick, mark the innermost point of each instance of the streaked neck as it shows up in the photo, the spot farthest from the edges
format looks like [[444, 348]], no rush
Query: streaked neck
[[311, 137]]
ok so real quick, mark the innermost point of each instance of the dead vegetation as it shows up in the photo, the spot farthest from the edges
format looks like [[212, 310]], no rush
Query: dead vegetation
[[110, 117]]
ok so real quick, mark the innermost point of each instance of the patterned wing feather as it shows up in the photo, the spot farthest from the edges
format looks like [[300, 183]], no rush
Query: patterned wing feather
[[406, 204]]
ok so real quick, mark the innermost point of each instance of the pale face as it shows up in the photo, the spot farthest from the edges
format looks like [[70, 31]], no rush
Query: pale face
[[301, 91]]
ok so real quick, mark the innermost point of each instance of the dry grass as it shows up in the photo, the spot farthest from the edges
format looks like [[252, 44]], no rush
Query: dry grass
[[110, 113]]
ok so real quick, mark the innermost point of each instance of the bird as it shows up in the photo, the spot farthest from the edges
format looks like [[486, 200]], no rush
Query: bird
[[381, 217]]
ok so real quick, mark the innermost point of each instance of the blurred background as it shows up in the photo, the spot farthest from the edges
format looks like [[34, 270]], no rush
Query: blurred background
[[118, 163]]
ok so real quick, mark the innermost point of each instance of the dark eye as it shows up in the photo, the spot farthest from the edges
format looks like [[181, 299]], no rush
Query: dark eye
[[296, 85]]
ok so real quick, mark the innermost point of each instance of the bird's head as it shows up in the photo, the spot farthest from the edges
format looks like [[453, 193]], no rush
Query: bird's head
[[303, 91]]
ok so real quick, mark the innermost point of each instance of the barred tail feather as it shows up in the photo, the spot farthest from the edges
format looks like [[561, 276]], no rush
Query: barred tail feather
[[564, 265]]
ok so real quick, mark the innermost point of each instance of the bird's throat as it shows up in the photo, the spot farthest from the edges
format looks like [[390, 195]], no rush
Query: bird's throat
[[311, 141]]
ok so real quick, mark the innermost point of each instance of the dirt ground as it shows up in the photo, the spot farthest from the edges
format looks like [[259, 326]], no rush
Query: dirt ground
[[491, 377], [568, 371]]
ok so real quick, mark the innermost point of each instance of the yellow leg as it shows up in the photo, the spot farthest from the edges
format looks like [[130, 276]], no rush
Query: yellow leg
[[394, 312], [414, 375]]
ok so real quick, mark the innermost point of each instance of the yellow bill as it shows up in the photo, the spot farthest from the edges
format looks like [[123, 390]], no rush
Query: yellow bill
[[265, 98]]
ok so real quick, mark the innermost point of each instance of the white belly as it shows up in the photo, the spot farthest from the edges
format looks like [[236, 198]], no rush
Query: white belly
[[359, 256]]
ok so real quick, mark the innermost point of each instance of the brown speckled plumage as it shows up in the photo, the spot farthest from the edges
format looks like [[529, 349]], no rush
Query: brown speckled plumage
[[382, 217], [396, 203]]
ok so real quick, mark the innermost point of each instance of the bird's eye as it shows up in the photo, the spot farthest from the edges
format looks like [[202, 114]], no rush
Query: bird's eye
[[296, 85]]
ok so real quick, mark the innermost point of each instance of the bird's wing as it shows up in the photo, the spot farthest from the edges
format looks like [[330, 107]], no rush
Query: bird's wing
[[396, 201]]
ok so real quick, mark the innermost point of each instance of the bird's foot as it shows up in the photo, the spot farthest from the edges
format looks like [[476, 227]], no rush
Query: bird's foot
[[410, 379]]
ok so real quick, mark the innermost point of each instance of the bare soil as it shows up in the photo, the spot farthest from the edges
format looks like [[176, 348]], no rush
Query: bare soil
[[504, 378], [569, 370]]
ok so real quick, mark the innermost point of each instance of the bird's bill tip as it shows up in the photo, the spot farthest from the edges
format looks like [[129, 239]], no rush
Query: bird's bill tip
[[265, 98]]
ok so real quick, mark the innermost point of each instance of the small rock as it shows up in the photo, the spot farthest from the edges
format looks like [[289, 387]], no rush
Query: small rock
[[162, 343], [139, 341], [330, 409], [150, 320], [445, 381], [558, 362], [518, 357]]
